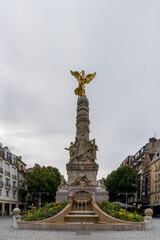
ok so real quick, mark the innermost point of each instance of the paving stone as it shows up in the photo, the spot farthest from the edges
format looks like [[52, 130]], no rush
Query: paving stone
[[7, 232]]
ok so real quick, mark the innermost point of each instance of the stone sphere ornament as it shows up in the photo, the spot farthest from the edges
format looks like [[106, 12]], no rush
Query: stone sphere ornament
[[148, 212], [16, 211]]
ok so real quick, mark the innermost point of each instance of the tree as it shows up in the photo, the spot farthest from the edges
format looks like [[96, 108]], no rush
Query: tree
[[22, 195], [124, 179], [43, 180]]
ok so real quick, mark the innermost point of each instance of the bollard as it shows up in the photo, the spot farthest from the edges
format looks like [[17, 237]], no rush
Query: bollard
[[16, 217], [148, 218]]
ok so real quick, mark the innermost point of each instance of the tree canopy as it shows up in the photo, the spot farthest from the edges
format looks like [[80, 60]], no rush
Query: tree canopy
[[122, 180], [43, 179]]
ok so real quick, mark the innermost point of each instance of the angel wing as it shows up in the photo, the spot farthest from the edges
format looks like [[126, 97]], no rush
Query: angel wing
[[76, 74], [90, 77]]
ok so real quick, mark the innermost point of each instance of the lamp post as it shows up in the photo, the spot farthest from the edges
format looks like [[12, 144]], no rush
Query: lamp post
[[40, 197], [126, 194]]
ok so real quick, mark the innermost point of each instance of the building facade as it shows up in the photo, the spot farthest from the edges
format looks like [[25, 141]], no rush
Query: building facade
[[8, 181], [141, 162], [21, 167], [155, 183]]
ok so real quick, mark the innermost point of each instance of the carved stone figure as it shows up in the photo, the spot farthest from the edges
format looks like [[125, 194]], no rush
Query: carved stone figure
[[101, 183], [71, 150], [82, 181], [94, 149], [82, 79], [63, 184]]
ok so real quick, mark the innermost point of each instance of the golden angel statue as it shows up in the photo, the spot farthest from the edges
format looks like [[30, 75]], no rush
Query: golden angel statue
[[82, 79]]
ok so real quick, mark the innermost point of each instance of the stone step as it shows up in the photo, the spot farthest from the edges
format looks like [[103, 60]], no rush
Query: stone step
[[82, 218], [81, 212]]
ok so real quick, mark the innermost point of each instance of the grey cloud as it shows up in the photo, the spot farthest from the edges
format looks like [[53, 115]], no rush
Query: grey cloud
[[41, 41]]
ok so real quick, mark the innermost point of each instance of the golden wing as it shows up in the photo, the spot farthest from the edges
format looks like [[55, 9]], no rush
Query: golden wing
[[90, 77], [75, 74]]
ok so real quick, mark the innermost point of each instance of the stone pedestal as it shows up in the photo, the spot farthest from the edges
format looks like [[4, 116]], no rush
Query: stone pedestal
[[62, 196], [77, 170]]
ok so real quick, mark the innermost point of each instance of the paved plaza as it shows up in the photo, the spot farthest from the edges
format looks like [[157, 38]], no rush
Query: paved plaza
[[7, 232]]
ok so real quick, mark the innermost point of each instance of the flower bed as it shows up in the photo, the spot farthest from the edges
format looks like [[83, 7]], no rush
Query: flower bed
[[49, 210], [117, 212]]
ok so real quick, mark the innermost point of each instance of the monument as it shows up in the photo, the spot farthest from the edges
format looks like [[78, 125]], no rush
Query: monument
[[82, 168], [82, 190]]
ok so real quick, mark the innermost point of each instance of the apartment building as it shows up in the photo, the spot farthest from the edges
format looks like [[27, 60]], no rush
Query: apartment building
[[21, 166], [155, 183], [8, 181], [141, 162]]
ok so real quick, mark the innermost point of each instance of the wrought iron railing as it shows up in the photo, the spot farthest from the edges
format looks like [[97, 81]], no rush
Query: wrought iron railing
[[7, 173], [14, 188], [1, 184], [7, 185]]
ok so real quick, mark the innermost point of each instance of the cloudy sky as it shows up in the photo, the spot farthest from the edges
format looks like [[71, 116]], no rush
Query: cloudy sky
[[42, 40]]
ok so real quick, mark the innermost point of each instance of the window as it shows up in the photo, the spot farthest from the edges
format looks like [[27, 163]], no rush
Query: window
[[7, 182], [0, 163], [6, 166], [14, 195], [0, 192], [22, 168], [155, 188], [7, 193], [14, 160], [159, 164], [155, 177], [14, 184], [158, 176], [158, 187], [14, 170], [156, 166]]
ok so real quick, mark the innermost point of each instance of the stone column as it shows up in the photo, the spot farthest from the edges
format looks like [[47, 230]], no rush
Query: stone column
[[82, 125], [10, 208], [3, 209]]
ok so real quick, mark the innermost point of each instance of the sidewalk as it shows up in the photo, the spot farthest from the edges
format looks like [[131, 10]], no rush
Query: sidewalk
[[7, 232]]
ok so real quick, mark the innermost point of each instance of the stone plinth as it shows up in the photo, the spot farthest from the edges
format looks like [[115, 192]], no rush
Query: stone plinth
[[80, 169], [62, 196]]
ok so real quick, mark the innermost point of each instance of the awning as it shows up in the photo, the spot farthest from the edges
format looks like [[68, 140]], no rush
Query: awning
[[153, 205], [124, 205]]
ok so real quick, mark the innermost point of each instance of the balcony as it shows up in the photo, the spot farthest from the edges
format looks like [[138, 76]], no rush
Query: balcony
[[7, 173], [1, 170], [14, 176], [14, 188], [1, 184], [8, 185]]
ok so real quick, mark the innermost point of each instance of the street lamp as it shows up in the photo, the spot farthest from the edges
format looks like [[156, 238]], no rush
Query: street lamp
[[39, 196], [126, 194]]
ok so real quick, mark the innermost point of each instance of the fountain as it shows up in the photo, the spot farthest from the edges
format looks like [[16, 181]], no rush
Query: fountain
[[82, 190]]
